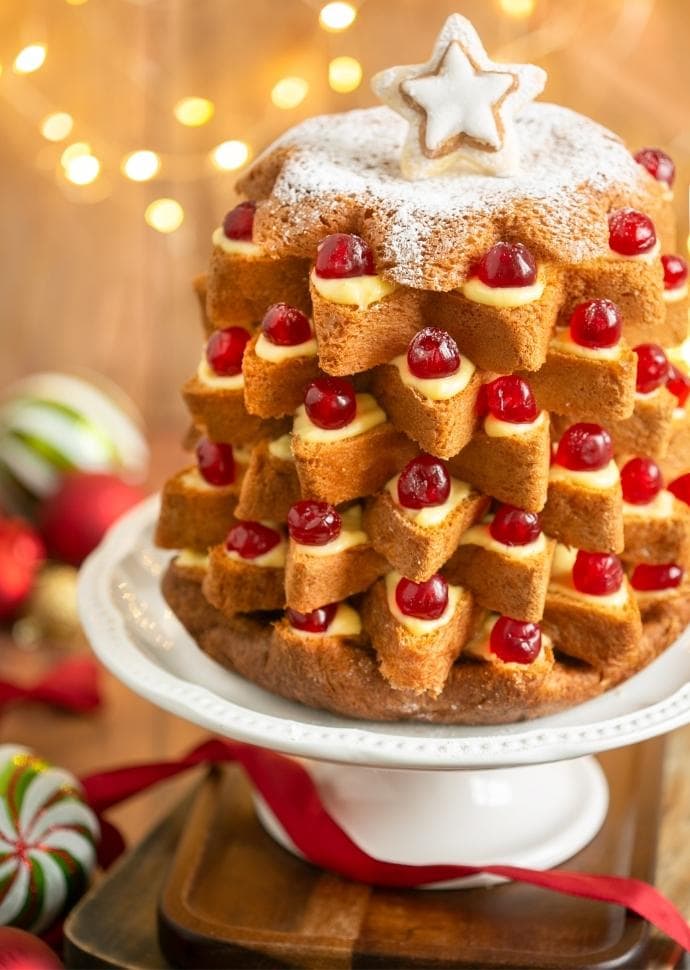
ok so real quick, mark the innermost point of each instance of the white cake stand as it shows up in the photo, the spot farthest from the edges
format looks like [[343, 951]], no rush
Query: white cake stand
[[526, 794]]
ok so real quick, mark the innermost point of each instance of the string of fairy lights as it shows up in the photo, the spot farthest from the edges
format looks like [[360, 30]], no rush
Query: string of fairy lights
[[81, 166]]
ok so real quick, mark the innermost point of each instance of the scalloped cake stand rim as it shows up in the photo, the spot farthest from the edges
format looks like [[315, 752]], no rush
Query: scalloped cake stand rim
[[104, 601]]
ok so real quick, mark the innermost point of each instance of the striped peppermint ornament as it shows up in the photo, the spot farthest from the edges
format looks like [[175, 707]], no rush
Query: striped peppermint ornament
[[48, 838]]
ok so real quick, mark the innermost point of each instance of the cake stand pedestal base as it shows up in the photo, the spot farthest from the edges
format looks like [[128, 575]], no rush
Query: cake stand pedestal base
[[536, 816]]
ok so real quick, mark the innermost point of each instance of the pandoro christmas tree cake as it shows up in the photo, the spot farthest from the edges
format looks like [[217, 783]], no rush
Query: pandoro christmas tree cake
[[443, 445]]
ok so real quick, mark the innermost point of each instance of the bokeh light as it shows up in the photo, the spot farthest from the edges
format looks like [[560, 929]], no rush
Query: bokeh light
[[57, 126], [140, 166], [75, 150], [517, 8], [30, 58], [337, 16], [344, 74], [193, 111], [230, 155], [164, 215], [289, 92], [82, 170]]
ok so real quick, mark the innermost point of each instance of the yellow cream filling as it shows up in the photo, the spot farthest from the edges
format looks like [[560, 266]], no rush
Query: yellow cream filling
[[368, 416], [194, 479], [676, 295], [359, 291], [280, 448], [345, 623], [600, 478], [480, 535], [502, 297], [351, 534], [192, 559], [275, 354], [432, 515], [639, 257], [562, 576], [495, 428], [567, 345], [436, 388], [273, 559], [207, 376], [236, 247], [680, 354], [661, 507], [416, 626], [478, 646]]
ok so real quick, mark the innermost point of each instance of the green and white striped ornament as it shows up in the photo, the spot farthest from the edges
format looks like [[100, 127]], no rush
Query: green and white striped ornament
[[52, 423], [48, 838]]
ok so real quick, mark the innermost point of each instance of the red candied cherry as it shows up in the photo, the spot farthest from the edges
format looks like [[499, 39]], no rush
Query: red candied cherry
[[652, 367], [313, 523], [225, 350], [641, 481], [514, 641], [659, 165], [343, 255], [317, 621], [251, 539], [597, 573], [584, 447], [681, 488], [216, 462], [631, 233], [646, 577], [514, 527], [423, 481], [433, 353], [678, 383], [239, 222], [506, 264], [426, 601], [511, 399], [285, 325], [331, 402], [675, 271], [596, 323]]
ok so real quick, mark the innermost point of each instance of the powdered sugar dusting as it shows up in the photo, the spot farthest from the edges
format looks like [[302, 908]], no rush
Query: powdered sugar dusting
[[573, 172]]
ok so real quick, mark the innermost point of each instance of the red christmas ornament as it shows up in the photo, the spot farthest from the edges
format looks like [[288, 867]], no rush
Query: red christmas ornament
[[21, 554], [75, 519], [20, 950]]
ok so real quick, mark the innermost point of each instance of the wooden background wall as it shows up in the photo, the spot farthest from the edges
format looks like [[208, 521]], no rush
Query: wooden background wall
[[88, 285]]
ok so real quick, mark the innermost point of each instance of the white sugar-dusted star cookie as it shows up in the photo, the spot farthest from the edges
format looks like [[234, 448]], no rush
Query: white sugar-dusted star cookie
[[460, 106]]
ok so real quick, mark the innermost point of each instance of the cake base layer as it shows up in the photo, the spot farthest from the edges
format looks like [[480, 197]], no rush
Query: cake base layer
[[338, 676]]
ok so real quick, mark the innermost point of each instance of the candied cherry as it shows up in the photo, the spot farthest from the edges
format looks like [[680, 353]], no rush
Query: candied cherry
[[681, 488], [510, 399], [225, 350], [641, 481], [631, 233], [216, 462], [659, 165], [239, 222], [425, 601], [584, 447], [285, 325], [433, 353], [251, 539], [515, 641], [331, 402], [597, 573], [316, 621], [343, 255], [678, 383], [646, 577], [423, 481], [514, 527], [675, 271], [313, 523], [506, 264], [652, 367], [596, 323]]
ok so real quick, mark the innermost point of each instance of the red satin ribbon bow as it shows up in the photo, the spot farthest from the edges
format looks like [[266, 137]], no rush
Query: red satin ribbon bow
[[72, 685], [290, 792]]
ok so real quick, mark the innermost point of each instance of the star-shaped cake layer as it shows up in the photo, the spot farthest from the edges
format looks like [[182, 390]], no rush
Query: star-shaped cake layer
[[460, 106]]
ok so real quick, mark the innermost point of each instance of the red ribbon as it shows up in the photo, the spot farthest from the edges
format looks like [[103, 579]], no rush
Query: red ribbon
[[292, 796], [71, 685]]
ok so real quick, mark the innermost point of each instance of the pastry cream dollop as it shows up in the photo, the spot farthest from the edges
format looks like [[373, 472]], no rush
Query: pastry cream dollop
[[432, 515], [599, 478], [369, 414], [436, 388], [565, 343], [276, 353], [562, 576], [345, 623], [236, 247], [496, 428], [480, 535], [358, 291], [503, 297], [273, 559], [280, 448], [416, 626], [351, 534], [207, 376]]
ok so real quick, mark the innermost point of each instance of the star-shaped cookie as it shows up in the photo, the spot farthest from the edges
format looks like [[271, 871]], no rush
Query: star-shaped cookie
[[460, 106]]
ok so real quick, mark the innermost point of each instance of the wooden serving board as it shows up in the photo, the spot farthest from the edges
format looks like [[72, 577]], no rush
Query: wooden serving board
[[231, 897]]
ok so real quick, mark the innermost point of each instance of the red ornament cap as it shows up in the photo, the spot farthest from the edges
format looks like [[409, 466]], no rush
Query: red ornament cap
[[675, 271], [216, 462], [631, 233], [647, 578], [506, 264], [225, 350], [285, 326], [331, 402], [251, 539], [597, 573], [515, 641], [313, 523], [239, 222], [515, 527], [596, 324], [343, 255], [510, 399], [317, 621], [659, 165], [432, 353], [641, 480], [425, 601], [584, 447], [423, 482]]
